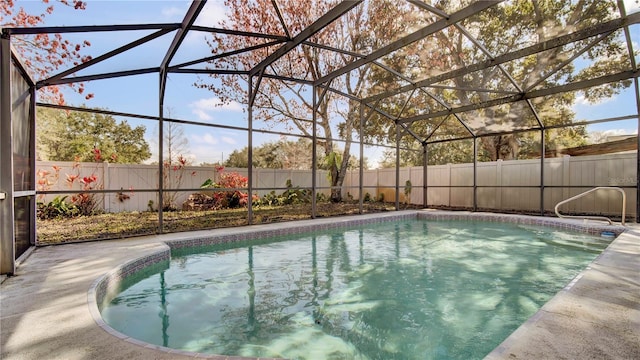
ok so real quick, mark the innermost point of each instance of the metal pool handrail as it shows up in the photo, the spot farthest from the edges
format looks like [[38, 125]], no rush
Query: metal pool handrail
[[624, 204]]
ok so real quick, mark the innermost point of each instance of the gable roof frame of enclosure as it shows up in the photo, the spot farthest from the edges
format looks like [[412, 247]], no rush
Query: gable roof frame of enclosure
[[593, 35]]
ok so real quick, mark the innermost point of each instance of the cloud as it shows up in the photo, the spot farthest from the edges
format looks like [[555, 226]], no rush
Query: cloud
[[617, 132], [207, 153], [212, 146], [207, 138], [210, 139], [229, 140], [631, 6], [202, 115], [212, 14], [216, 103], [173, 12], [196, 38], [581, 100], [203, 107]]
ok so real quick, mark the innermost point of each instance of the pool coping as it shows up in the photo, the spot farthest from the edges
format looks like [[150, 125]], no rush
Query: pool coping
[[106, 286], [45, 309]]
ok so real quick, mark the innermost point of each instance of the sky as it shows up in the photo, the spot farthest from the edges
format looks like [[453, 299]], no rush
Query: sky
[[139, 94]]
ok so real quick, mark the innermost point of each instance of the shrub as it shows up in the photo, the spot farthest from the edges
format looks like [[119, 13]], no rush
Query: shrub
[[295, 195], [173, 173], [271, 199], [320, 197], [407, 191], [47, 179], [56, 208], [84, 203], [232, 197]]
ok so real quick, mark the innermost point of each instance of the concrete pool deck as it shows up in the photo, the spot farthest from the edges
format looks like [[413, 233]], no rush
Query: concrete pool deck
[[45, 312]]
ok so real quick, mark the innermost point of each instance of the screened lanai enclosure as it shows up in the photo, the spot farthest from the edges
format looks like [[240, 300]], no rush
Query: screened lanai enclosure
[[231, 113]]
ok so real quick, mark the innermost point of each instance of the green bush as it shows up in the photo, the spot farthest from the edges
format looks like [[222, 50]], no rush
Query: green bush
[[407, 191], [56, 208], [270, 199], [320, 197], [295, 195], [227, 198]]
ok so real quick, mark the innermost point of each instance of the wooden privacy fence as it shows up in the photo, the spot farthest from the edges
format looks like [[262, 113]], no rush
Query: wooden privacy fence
[[133, 182], [501, 185], [515, 185]]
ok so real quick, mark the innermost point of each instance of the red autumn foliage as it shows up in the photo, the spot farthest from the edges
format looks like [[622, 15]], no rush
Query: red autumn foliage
[[97, 155], [232, 197], [86, 203], [44, 54], [172, 178]]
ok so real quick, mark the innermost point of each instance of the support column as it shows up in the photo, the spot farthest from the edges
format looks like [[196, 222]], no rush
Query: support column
[[163, 81], [397, 166], [250, 151], [475, 174], [637, 84], [361, 178], [425, 173], [32, 165], [542, 157], [314, 157], [7, 226]]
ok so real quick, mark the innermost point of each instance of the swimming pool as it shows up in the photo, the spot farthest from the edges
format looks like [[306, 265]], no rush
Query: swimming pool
[[374, 291]]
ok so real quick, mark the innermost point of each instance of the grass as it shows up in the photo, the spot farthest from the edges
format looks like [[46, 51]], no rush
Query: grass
[[129, 224]]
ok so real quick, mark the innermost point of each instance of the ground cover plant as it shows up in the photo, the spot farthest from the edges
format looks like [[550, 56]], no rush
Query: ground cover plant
[[222, 202], [128, 224]]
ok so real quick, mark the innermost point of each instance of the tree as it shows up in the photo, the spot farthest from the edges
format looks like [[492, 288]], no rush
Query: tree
[[267, 156], [175, 142], [501, 29], [76, 135], [43, 54], [454, 152], [286, 102], [284, 154], [174, 159], [238, 159]]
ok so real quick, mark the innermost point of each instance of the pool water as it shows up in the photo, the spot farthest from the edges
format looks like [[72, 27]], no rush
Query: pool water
[[398, 290]]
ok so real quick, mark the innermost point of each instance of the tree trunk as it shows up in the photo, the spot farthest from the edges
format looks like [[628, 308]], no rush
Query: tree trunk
[[504, 147]]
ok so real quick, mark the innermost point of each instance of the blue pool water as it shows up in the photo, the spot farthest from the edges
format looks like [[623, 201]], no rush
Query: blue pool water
[[399, 290]]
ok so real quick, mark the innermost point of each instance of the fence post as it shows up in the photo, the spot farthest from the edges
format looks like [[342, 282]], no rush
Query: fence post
[[106, 204], [499, 184], [449, 180], [377, 183], [410, 200], [566, 177], [425, 174]]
